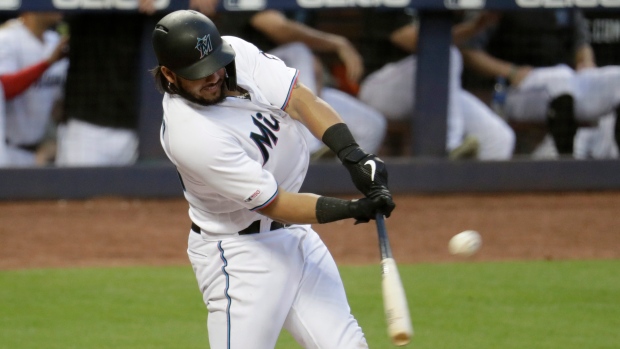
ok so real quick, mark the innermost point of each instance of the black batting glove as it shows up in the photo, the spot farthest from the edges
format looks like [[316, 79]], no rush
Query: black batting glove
[[368, 172], [385, 203], [366, 209]]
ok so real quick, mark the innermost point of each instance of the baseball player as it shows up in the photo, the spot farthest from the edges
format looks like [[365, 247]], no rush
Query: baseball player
[[391, 90], [551, 68], [32, 71], [599, 142], [232, 126]]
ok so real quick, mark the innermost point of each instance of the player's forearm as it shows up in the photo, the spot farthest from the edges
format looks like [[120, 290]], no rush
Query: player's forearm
[[584, 57], [306, 208], [486, 64], [464, 31], [406, 37], [316, 40], [283, 31], [290, 208]]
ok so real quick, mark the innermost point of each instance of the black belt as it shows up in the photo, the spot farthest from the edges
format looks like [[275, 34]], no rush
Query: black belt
[[27, 147], [253, 228]]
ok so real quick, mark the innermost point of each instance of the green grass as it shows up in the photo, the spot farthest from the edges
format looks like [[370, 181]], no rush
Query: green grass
[[567, 304]]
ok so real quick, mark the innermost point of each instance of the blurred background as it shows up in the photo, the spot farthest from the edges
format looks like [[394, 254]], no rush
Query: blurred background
[[456, 95]]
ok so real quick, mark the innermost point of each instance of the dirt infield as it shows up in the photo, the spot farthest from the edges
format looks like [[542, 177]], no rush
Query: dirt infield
[[115, 231]]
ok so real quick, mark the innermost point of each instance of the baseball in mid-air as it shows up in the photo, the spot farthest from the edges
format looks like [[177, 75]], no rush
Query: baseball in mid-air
[[465, 243]]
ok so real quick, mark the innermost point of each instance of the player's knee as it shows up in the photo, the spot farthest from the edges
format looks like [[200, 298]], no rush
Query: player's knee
[[561, 123], [377, 121], [507, 143]]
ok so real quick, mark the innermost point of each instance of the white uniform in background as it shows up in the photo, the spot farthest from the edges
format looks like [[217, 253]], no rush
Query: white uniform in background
[[391, 90], [28, 115], [231, 158]]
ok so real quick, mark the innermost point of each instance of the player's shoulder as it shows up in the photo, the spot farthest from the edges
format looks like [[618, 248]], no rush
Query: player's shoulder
[[242, 47], [235, 41], [246, 53], [11, 29]]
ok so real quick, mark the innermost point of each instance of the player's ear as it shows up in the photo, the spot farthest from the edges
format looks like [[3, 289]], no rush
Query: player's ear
[[168, 74]]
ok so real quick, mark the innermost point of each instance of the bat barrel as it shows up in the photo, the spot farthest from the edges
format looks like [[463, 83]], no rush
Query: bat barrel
[[400, 329]]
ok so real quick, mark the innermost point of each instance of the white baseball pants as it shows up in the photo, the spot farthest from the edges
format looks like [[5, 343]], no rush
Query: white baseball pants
[[596, 92], [84, 144], [391, 90], [255, 285]]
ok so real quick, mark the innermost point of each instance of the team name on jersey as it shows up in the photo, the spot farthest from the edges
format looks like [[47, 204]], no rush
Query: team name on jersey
[[266, 138], [50, 81]]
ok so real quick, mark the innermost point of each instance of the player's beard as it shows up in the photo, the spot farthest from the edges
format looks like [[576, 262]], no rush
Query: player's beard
[[199, 99]]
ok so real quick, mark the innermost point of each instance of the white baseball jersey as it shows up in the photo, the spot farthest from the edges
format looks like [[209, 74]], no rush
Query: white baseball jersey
[[232, 156], [28, 114]]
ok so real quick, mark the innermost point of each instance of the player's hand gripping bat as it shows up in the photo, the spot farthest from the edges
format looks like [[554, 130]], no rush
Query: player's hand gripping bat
[[395, 305]]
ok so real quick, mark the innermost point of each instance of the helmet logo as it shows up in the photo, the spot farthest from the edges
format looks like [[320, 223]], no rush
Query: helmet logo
[[204, 45]]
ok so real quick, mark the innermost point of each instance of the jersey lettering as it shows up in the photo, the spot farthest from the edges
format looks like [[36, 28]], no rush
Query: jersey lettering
[[266, 138], [49, 81]]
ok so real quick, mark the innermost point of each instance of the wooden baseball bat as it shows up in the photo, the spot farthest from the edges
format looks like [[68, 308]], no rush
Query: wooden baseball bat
[[395, 305]]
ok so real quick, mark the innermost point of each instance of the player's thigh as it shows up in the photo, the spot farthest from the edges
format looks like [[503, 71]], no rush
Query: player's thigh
[[391, 89], [320, 316], [496, 137], [248, 284], [529, 101], [597, 92], [527, 105]]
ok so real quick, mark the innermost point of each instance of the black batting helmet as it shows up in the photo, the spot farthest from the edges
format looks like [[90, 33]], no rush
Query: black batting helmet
[[188, 43]]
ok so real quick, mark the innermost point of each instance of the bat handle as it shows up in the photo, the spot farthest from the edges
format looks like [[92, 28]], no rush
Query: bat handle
[[384, 241]]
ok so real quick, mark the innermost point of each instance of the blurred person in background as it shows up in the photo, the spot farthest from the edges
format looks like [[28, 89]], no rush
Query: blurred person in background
[[473, 129], [550, 66], [103, 86], [32, 72], [296, 43], [102, 89], [599, 142]]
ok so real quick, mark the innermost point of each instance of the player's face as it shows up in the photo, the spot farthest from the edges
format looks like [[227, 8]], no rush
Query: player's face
[[207, 91]]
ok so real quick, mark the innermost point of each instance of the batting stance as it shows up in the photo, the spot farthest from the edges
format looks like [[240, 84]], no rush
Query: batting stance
[[233, 119]]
